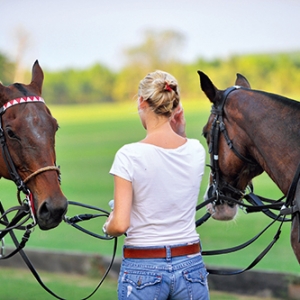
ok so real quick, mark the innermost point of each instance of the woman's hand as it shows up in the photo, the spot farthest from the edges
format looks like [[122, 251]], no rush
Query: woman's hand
[[177, 121], [105, 224]]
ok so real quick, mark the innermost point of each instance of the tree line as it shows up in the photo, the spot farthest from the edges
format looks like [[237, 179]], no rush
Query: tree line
[[273, 72]]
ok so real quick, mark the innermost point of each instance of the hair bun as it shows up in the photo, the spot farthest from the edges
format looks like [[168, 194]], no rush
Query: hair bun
[[157, 89], [167, 87]]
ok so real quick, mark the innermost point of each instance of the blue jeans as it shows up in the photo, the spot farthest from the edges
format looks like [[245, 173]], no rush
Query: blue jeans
[[170, 278]]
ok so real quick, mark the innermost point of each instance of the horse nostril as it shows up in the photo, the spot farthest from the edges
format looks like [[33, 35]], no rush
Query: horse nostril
[[44, 211]]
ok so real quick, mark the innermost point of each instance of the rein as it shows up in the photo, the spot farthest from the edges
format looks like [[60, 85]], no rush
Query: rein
[[73, 222], [24, 213], [259, 206]]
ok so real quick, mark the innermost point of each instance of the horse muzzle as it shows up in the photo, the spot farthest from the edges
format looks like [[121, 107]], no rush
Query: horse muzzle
[[220, 208], [51, 213]]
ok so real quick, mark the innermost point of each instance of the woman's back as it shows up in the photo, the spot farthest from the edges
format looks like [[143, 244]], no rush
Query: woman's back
[[165, 185]]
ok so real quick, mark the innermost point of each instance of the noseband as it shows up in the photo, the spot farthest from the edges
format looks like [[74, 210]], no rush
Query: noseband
[[218, 185], [8, 160]]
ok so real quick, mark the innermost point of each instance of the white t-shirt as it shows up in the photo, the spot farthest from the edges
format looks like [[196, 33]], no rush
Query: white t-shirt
[[166, 185]]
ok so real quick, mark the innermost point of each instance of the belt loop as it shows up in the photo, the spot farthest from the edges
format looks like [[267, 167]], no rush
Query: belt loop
[[168, 253]]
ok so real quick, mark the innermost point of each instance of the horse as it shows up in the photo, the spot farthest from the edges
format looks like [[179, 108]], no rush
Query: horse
[[27, 141], [249, 132]]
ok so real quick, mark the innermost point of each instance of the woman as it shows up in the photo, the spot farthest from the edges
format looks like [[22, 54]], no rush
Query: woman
[[157, 183]]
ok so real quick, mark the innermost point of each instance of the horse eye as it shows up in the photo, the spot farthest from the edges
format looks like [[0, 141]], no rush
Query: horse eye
[[11, 134]]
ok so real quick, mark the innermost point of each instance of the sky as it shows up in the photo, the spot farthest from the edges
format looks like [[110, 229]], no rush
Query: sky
[[77, 34]]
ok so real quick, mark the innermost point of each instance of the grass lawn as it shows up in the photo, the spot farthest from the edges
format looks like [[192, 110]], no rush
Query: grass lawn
[[19, 285], [86, 143]]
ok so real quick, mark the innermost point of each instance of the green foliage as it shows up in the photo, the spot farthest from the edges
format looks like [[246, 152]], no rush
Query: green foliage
[[7, 69], [92, 85], [276, 73]]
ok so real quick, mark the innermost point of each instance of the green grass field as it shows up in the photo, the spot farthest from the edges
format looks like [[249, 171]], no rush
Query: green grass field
[[19, 286], [86, 143]]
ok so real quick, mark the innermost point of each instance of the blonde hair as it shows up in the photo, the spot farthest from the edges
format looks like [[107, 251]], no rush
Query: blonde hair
[[160, 90]]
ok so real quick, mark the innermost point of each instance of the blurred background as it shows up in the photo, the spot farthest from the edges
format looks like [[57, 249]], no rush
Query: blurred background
[[97, 51], [94, 53]]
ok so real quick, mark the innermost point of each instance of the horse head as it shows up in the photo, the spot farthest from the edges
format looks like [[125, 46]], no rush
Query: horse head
[[28, 148], [231, 167]]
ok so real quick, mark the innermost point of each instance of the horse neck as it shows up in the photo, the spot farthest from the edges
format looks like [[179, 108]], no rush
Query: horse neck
[[273, 135]]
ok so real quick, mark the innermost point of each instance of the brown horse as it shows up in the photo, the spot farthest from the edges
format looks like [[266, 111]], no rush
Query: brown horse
[[248, 132], [27, 135]]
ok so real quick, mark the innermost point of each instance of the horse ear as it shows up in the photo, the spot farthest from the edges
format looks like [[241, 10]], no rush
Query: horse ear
[[207, 87], [37, 76], [1, 87], [242, 81]]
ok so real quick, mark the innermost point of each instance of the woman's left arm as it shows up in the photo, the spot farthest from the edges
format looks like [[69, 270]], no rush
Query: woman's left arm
[[119, 220]]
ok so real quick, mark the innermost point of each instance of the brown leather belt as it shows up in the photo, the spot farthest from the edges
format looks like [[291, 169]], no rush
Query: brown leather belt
[[161, 252]]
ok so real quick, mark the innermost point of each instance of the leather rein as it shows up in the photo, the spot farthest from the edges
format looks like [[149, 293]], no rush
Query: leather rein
[[219, 186]]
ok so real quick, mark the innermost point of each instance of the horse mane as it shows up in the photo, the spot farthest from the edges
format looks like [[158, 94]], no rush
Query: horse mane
[[21, 88], [281, 99]]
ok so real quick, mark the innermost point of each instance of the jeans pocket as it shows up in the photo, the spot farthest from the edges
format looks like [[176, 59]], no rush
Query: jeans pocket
[[140, 280], [196, 282], [194, 275], [139, 285]]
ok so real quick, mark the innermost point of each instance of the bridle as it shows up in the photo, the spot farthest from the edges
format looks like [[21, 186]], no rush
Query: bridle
[[15, 177], [40, 170], [218, 188]]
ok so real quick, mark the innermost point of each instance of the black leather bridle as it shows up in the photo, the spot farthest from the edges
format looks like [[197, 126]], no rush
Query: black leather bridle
[[219, 188]]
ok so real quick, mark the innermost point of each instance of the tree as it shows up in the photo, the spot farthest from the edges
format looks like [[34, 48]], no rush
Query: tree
[[158, 49], [22, 38], [6, 70], [71, 86]]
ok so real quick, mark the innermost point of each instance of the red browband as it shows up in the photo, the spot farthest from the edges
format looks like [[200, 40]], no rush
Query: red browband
[[20, 101]]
